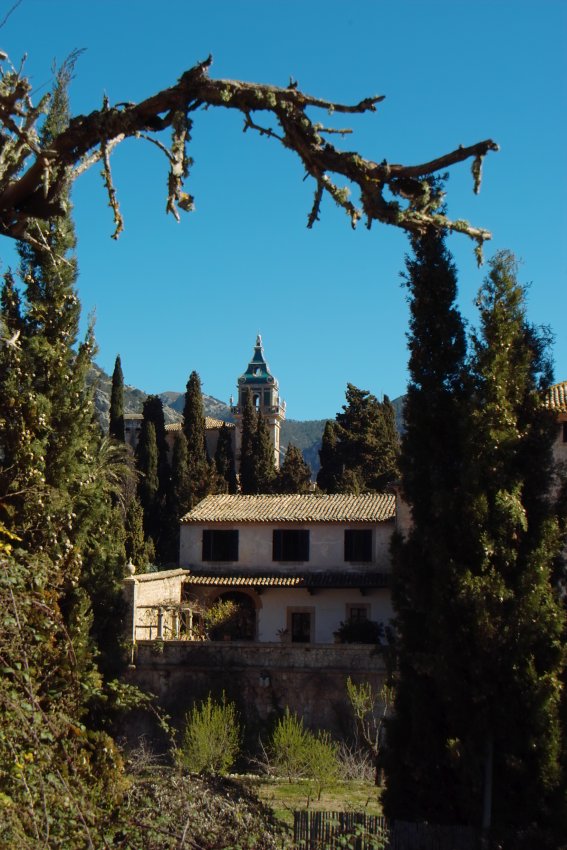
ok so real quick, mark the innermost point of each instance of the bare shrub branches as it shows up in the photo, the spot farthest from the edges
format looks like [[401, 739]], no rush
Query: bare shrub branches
[[33, 178]]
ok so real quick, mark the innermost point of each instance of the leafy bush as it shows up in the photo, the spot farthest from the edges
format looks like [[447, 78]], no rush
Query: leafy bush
[[299, 753], [288, 746], [360, 631], [322, 762], [211, 739]]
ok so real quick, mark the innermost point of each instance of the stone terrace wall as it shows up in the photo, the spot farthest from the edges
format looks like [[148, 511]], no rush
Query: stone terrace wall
[[262, 679]]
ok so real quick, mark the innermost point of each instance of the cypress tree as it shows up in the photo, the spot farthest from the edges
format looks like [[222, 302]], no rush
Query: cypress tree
[[224, 461], [264, 466], [419, 760], [153, 412], [180, 495], [247, 472], [116, 425], [331, 468], [61, 487], [506, 597], [148, 487], [295, 474], [476, 734], [139, 551], [56, 488], [194, 429]]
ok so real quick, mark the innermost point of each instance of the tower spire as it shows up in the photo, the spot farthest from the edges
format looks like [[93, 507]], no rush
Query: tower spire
[[264, 389]]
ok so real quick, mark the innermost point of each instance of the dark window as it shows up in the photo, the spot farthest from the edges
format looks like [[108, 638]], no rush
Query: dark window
[[358, 614], [220, 545], [290, 545], [267, 398], [358, 545], [565, 432], [300, 627]]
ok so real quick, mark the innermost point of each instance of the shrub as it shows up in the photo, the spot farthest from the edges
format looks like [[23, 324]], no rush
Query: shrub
[[211, 739], [322, 762], [288, 746], [297, 752], [360, 631]]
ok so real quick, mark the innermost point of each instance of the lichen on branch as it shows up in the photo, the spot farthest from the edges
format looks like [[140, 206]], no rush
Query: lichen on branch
[[33, 179]]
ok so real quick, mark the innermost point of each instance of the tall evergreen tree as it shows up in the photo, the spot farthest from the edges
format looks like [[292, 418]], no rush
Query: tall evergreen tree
[[247, 472], [61, 584], [198, 466], [476, 732], [116, 425], [360, 451], [419, 760], [264, 466], [331, 468], [295, 474], [224, 461], [179, 497], [153, 412], [55, 489], [148, 486], [506, 597]]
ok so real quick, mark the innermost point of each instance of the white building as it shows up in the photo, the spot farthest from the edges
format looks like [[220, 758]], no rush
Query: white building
[[297, 565]]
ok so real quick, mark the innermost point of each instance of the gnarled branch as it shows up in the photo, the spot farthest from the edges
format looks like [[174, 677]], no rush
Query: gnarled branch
[[27, 194]]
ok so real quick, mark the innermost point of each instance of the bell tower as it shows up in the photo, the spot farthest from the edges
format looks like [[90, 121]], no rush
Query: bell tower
[[264, 389]]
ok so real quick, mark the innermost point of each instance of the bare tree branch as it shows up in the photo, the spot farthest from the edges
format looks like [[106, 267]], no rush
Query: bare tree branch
[[33, 179]]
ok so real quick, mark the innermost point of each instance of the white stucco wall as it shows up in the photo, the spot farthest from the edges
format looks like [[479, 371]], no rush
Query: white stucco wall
[[326, 546], [328, 607]]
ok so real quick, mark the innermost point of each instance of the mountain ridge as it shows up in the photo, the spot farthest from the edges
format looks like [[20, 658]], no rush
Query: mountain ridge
[[305, 434]]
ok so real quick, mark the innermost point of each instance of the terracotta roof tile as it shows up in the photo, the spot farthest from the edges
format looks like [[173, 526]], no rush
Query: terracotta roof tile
[[315, 579], [556, 397], [313, 507]]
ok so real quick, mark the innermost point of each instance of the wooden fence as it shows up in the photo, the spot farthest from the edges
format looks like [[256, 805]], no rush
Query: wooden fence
[[358, 831]]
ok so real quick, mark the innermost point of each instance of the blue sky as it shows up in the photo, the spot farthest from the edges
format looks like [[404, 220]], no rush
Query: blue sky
[[170, 298]]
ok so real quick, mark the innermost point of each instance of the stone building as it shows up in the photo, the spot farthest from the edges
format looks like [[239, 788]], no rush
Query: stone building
[[306, 572], [264, 389]]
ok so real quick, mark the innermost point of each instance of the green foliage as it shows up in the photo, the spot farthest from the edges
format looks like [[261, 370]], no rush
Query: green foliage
[[288, 746], [296, 752], [60, 480], [51, 766], [264, 467], [211, 738], [360, 631], [148, 486], [247, 468], [321, 761], [198, 468], [257, 469], [295, 474], [359, 451], [224, 461], [178, 498], [116, 413], [481, 632]]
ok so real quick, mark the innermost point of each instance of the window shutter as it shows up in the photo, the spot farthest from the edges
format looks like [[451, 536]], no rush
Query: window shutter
[[277, 545], [207, 545]]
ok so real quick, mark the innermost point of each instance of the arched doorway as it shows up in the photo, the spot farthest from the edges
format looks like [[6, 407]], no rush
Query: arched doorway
[[242, 624]]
